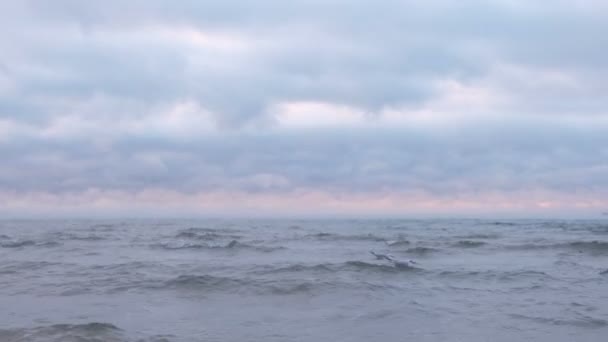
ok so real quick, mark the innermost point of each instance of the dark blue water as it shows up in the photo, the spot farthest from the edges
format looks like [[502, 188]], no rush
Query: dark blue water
[[276, 280]]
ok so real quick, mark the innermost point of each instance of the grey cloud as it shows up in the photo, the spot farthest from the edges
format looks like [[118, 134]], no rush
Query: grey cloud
[[104, 60], [469, 158], [370, 56]]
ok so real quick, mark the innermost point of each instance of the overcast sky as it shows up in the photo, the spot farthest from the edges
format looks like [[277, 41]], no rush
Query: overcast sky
[[304, 108]]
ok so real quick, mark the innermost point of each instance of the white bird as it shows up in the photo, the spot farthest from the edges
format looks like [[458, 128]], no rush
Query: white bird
[[396, 263], [382, 256]]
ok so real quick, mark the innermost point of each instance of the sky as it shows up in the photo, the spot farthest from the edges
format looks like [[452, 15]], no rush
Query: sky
[[474, 108]]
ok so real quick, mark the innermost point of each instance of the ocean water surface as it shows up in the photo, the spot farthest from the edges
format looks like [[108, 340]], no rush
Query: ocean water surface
[[303, 280]]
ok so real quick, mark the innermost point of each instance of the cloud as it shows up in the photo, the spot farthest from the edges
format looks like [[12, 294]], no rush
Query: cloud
[[389, 54], [442, 101]]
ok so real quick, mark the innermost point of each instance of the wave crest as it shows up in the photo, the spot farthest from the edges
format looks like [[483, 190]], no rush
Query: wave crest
[[301, 268], [580, 321], [88, 332], [422, 251], [339, 237], [469, 244], [208, 283], [367, 266], [17, 244], [397, 243], [205, 234], [591, 247], [232, 245], [480, 236], [496, 275]]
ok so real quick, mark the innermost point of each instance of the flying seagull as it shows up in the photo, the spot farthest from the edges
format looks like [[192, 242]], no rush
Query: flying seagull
[[396, 263], [382, 256]]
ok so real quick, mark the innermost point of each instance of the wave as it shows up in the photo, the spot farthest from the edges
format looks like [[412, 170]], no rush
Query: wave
[[88, 332], [592, 247], [397, 243], [87, 238], [17, 244], [496, 275], [390, 268], [309, 287], [179, 245], [348, 266], [292, 288], [93, 327], [515, 275], [204, 230], [127, 266], [583, 321], [28, 243], [78, 237], [208, 283], [533, 246], [480, 236], [300, 268], [198, 236], [232, 245], [204, 282], [339, 237], [15, 267], [103, 227], [502, 223], [204, 234], [600, 230], [422, 251], [469, 244]]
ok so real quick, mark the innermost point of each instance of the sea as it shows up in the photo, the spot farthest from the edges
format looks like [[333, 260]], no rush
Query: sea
[[303, 280]]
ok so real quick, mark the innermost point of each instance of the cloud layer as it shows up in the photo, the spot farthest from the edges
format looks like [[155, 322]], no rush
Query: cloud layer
[[391, 107]]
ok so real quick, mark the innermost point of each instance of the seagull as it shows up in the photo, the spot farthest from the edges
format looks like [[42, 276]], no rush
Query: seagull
[[396, 263], [382, 256]]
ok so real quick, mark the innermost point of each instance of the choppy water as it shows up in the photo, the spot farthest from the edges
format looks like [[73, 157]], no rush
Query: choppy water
[[208, 280]]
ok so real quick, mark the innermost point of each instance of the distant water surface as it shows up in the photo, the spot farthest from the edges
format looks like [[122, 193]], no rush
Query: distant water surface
[[235, 281]]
